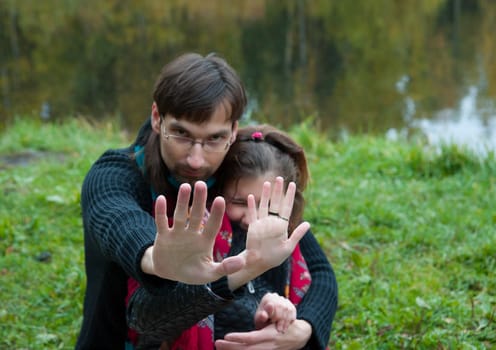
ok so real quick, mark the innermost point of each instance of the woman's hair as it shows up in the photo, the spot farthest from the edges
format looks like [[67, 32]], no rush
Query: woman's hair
[[263, 149], [191, 87]]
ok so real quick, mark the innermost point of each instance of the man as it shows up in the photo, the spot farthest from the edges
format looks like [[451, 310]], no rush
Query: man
[[129, 195], [117, 196], [194, 119]]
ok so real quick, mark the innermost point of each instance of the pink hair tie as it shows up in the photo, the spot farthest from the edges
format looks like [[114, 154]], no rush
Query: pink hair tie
[[257, 135]]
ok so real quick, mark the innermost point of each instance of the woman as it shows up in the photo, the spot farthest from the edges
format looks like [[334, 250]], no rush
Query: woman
[[261, 153]]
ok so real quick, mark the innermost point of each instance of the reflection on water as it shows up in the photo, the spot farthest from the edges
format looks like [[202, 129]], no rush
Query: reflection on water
[[468, 126], [362, 66]]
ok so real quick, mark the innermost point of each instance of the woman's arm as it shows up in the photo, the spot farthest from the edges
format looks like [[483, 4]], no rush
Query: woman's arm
[[315, 312], [319, 304], [267, 241]]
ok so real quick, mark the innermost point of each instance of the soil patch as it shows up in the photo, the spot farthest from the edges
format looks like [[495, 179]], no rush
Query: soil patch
[[25, 158]]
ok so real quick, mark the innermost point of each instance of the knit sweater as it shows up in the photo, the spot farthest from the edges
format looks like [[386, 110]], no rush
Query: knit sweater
[[118, 226]]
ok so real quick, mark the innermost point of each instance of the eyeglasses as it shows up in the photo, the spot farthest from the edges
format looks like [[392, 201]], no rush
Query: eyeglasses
[[215, 144]]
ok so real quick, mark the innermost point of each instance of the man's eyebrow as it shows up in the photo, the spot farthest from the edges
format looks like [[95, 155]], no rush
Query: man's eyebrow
[[221, 133], [178, 126]]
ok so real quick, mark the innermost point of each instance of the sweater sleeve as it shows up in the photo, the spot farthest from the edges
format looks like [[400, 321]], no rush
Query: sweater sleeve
[[116, 207], [319, 304], [159, 318]]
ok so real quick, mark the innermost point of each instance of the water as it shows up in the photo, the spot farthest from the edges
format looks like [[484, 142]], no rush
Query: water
[[351, 65], [472, 125]]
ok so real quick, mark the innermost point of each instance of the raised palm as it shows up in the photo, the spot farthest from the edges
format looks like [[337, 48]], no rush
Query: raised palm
[[184, 251], [267, 242]]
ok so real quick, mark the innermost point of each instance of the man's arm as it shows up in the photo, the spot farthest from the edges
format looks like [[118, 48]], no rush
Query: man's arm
[[116, 203]]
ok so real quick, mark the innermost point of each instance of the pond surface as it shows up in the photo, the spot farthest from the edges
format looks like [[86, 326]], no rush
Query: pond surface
[[357, 66], [468, 125]]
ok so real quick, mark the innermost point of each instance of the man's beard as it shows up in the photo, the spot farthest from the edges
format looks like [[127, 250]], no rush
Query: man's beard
[[181, 174]]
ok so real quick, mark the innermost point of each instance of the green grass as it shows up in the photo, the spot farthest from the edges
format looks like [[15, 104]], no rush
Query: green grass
[[41, 241], [410, 232]]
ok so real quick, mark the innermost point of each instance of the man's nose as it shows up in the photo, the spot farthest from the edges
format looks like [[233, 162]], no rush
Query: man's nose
[[196, 158]]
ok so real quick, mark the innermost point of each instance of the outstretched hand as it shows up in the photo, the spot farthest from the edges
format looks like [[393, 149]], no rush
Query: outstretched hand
[[267, 242], [184, 252]]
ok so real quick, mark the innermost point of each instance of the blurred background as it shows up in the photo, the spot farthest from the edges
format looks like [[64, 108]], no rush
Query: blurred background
[[361, 66]]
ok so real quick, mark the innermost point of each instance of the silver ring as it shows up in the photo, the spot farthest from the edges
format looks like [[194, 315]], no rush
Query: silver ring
[[280, 217], [273, 213]]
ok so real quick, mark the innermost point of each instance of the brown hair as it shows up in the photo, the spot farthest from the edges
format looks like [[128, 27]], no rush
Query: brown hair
[[191, 87], [261, 149]]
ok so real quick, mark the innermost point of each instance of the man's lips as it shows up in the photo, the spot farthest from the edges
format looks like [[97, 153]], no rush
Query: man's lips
[[191, 174]]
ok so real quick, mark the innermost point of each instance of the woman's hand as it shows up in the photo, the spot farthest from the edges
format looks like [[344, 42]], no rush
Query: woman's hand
[[268, 338], [267, 241], [274, 308]]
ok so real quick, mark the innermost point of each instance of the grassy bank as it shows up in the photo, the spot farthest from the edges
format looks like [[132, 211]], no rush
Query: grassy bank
[[409, 231]]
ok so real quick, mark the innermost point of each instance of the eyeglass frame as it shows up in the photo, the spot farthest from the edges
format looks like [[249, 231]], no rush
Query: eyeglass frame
[[192, 141]]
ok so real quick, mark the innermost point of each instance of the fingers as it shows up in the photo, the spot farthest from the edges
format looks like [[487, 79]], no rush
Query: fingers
[[288, 201], [194, 218], [284, 315], [279, 310], [275, 199], [298, 233], [274, 202], [218, 269], [252, 209], [231, 265], [181, 212], [252, 337], [263, 313], [161, 220], [261, 319], [198, 206], [269, 309], [221, 344], [214, 220], [281, 204], [263, 207]]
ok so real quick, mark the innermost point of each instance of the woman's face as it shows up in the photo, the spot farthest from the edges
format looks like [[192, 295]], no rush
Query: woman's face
[[236, 195]]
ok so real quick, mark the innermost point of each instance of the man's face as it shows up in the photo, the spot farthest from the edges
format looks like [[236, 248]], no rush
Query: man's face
[[193, 151]]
